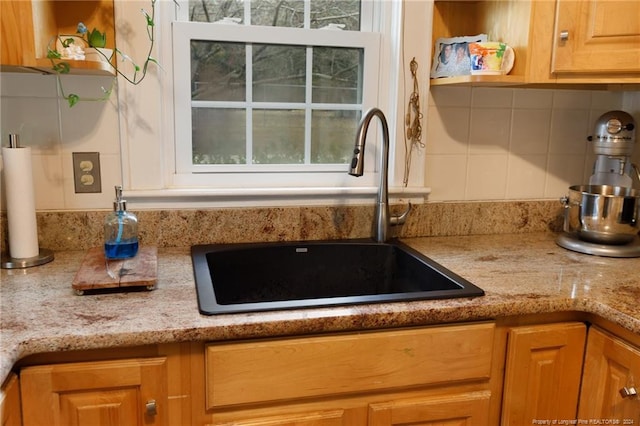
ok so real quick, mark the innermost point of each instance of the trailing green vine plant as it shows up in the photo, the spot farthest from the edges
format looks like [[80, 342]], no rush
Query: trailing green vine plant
[[96, 39]]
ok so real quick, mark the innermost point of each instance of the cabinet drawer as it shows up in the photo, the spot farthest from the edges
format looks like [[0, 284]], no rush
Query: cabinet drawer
[[272, 370]]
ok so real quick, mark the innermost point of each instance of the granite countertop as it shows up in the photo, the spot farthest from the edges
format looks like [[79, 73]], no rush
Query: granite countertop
[[520, 273]]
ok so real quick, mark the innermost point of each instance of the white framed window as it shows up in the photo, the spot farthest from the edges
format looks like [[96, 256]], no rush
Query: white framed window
[[155, 119], [268, 95], [251, 122]]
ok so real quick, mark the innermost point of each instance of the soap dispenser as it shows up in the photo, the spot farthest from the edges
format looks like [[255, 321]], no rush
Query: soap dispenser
[[120, 230]]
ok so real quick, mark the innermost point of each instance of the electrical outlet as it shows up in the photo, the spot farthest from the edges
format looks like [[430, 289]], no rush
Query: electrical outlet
[[86, 172]]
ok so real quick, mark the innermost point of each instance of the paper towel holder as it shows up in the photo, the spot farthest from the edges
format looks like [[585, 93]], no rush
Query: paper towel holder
[[44, 255]]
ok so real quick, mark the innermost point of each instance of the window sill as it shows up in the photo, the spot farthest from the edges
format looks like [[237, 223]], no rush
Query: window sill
[[249, 197]]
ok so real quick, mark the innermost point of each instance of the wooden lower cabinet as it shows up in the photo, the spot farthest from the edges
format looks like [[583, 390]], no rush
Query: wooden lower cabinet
[[543, 370], [10, 411], [432, 375], [313, 418], [103, 393], [611, 376], [450, 408], [466, 374], [455, 409]]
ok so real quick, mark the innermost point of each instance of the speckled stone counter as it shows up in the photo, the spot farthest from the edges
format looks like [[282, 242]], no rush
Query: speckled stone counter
[[520, 273]]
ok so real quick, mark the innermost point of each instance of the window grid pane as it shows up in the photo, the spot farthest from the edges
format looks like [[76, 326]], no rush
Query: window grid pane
[[272, 72], [322, 90], [218, 136], [344, 14]]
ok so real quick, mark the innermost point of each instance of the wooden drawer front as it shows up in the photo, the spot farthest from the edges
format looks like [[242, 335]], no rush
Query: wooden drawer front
[[465, 409], [259, 371]]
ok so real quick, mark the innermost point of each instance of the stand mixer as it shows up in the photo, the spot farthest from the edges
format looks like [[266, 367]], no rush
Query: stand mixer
[[613, 144], [603, 217]]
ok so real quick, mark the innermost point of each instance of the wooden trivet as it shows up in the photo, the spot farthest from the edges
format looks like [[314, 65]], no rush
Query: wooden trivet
[[138, 271]]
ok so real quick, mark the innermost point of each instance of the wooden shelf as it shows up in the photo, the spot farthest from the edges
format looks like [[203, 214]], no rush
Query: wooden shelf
[[535, 44], [78, 67], [479, 80], [29, 26]]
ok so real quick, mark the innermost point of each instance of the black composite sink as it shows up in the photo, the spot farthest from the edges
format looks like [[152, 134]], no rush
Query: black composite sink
[[233, 278]]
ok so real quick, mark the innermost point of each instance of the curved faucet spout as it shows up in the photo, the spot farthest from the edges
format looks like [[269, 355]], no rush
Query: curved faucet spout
[[382, 218]]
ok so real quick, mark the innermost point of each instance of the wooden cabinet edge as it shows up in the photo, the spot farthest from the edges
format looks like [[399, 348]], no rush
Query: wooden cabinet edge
[[10, 406], [533, 61], [28, 55]]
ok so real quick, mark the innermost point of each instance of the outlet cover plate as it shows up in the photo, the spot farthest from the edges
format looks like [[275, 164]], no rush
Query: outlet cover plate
[[86, 172]]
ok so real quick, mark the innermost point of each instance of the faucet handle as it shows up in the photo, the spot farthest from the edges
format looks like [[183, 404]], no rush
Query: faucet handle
[[401, 218]]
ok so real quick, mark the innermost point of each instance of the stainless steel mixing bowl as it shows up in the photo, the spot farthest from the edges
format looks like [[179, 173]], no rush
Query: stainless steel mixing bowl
[[603, 214]]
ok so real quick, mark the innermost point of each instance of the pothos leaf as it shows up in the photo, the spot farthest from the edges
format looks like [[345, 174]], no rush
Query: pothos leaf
[[53, 54], [62, 67], [148, 17], [72, 99], [67, 42]]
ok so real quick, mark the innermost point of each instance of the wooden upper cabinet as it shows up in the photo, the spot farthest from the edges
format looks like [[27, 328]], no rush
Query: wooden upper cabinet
[[611, 376], [17, 45], [104, 393], [602, 45], [29, 28], [525, 25], [597, 36]]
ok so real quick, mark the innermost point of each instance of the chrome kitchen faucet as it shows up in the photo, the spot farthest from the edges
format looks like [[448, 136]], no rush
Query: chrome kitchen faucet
[[382, 218]]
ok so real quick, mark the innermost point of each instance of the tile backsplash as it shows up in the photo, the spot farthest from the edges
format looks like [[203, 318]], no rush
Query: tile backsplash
[[482, 144], [505, 144]]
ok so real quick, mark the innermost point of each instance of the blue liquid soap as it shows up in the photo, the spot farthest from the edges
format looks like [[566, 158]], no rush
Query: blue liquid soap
[[120, 231], [122, 250]]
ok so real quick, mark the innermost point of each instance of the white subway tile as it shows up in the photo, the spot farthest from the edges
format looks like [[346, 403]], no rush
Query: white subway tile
[[447, 130], [569, 131], [486, 177], [530, 130], [563, 170], [33, 85], [34, 120], [489, 132], [449, 96], [446, 176], [532, 98], [90, 126], [48, 173], [572, 99], [526, 176], [491, 97], [602, 100]]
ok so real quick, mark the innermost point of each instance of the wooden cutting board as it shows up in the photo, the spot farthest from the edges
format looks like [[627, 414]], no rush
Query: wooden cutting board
[[138, 271]]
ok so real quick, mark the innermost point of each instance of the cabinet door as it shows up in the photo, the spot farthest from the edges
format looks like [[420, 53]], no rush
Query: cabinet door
[[542, 378], [10, 402], [602, 36], [123, 392], [455, 409], [16, 33], [316, 418], [610, 366]]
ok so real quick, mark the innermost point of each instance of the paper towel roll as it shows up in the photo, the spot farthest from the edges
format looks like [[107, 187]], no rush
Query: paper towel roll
[[21, 207]]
